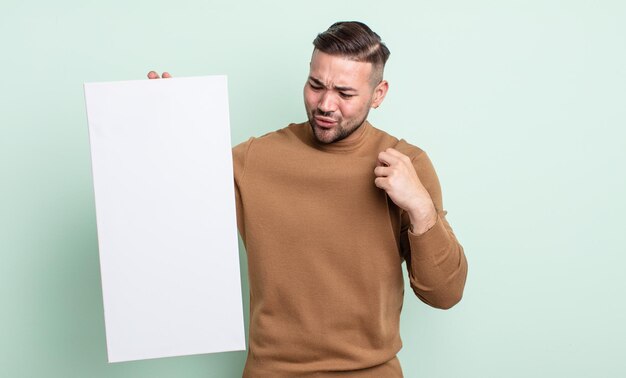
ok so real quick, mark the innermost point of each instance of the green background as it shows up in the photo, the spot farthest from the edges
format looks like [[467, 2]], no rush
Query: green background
[[520, 105]]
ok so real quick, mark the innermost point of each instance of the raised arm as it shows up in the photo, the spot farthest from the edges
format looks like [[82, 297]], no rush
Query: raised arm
[[435, 260]]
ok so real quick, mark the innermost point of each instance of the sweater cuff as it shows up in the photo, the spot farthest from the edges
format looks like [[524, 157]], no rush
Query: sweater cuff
[[431, 242]]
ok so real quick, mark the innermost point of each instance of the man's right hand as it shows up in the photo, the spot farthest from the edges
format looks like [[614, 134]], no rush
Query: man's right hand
[[154, 75]]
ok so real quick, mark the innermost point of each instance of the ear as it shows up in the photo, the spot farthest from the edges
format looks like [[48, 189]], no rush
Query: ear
[[379, 93]]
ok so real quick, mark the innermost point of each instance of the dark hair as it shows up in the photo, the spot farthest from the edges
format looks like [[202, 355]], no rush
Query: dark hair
[[353, 40]]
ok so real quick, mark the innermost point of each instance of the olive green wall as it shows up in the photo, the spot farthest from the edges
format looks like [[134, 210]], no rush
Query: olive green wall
[[520, 104]]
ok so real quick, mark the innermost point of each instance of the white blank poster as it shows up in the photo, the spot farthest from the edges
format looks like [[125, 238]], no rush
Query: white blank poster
[[165, 210]]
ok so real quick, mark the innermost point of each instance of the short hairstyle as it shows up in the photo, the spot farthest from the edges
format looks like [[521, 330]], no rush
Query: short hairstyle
[[353, 40]]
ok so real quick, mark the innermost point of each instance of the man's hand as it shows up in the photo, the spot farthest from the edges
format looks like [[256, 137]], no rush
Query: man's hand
[[396, 176], [154, 75]]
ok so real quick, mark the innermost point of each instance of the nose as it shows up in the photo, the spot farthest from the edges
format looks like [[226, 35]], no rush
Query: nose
[[327, 103]]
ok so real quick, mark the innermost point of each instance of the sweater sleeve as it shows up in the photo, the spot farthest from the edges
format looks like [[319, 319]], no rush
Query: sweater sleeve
[[435, 260], [240, 155]]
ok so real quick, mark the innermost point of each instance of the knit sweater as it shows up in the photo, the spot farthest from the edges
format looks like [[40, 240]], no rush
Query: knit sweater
[[325, 249]]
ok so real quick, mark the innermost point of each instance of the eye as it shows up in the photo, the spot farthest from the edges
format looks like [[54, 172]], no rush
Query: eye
[[345, 95], [315, 87]]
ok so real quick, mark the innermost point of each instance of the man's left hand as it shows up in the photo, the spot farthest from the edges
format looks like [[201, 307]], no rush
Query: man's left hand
[[396, 175]]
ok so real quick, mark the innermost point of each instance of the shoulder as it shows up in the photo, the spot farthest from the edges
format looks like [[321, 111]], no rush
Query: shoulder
[[419, 158], [268, 140], [286, 134], [266, 145], [386, 140]]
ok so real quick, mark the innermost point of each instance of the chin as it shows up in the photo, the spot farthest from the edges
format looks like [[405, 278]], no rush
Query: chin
[[322, 135]]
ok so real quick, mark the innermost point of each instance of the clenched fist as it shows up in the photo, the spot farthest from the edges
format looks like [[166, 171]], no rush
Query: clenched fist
[[396, 175]]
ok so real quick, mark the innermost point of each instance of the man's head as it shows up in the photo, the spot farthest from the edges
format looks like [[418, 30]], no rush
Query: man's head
[[355, 41], [345, 80]]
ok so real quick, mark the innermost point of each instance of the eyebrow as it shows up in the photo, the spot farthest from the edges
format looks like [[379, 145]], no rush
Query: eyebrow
[[339, 88]]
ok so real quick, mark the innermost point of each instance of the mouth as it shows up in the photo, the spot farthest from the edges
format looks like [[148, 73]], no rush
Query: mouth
[[325, 122]]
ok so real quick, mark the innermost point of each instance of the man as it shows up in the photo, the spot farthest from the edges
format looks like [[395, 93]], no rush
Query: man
[[328, 210]]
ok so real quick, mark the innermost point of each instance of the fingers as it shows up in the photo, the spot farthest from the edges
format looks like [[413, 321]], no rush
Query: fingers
[[386, 177], [395, 152], [382, 171], [154, 75], [392, 156], [382, 183], [393, 168]]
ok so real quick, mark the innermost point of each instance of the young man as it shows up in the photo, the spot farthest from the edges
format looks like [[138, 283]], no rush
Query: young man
[[328, 210]]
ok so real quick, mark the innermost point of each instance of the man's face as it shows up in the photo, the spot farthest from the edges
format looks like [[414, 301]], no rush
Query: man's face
[[338, 96]]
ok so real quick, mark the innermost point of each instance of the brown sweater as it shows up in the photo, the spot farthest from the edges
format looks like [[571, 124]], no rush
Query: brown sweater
[[325, 248]]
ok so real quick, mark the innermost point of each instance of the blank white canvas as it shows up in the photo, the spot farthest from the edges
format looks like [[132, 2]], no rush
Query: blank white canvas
[[165, 210]]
